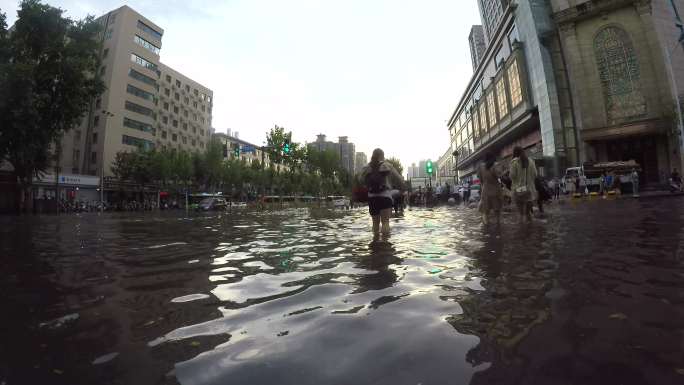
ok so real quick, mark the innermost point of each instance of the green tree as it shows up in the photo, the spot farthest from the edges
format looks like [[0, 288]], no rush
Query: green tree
[[396, 163], [48, 67]]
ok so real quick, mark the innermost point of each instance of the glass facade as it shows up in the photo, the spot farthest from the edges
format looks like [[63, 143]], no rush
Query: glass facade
[[491, 109], [136, 125], [501, 95], [137, 142], [140, 93], [149, 30], [483, 117], [130, 106], [146, 44], [144, 62], [514, 84]]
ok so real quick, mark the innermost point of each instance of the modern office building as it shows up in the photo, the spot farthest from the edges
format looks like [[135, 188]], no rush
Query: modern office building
[[146, 104], [360, 162], [625, 64], [492, 13], [517, 95], [477, 44]]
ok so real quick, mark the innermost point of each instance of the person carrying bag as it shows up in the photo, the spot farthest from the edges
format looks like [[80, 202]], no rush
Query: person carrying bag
[[523, 174]]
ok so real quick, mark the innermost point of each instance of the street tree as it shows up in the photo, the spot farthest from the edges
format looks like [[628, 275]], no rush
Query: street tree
[[48, 78]]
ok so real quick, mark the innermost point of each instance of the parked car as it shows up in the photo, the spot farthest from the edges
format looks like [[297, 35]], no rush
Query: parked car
[[338, 201], [212, 204]]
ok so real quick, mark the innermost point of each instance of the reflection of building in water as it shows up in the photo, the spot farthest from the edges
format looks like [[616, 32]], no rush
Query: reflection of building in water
[[512, 303]]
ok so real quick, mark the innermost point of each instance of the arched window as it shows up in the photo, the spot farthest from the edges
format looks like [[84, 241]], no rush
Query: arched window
[[619, 73]]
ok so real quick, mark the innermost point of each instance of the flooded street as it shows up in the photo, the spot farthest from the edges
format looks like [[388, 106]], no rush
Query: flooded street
[[593, 294]]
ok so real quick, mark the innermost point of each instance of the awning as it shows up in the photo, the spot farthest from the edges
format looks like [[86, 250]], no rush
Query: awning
[[643, 128]]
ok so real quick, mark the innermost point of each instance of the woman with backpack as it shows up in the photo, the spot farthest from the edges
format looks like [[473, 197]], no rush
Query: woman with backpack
[[377, 176], [523, 174]]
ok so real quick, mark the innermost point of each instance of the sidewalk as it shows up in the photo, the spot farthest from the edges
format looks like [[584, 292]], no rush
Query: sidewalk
[[642, 195]]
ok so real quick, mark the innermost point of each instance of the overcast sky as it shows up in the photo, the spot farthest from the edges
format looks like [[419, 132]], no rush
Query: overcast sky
[[386, 73]]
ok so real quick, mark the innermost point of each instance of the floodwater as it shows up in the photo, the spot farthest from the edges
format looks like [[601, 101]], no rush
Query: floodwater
[[592, 294]]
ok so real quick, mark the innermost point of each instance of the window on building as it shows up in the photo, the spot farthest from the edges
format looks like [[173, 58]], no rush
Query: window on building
[[76, 157], [140, 93], [93, 157], [166, 106], [94, 137], [203, 109], [103, 70], [202, 144], [149, 30], [109, 33], [174, 137], [186, 100], [620, 75], [130, 106], [175, 109], [136, 125], [144, 62], [483, 117], [137, 142], [194, 104], [141, 77], [185, 113], [491, 109], [514, 84], [98, 103], [176, 96], [185, 126], [187, 88], [202, 120], [185, 140], [194, 129], [201, 132], [194, 117], [178, 83], [146, 44], [501, 95], [175, 123], [163, 135], [194, 142], [168, 78], [476, 123], [105, 53], [165, 120]]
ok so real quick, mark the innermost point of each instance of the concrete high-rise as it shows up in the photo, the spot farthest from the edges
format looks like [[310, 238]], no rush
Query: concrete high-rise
[[361, 161], [477, 44], [146, 104], [345, 150]]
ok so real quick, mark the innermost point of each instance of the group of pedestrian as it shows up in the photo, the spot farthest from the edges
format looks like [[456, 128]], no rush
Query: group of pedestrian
[[521, 181]]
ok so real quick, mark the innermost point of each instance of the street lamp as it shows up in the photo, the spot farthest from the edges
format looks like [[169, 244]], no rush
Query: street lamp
[[107, 115]]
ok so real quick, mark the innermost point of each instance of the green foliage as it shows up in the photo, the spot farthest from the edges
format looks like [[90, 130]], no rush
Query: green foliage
[[47, 82], [396, 163]]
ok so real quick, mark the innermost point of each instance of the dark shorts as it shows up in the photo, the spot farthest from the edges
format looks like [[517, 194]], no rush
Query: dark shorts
[[376, 204]]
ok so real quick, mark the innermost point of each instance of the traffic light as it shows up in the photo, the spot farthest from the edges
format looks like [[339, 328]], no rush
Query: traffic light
[[428, 167], [286, 147], [236, 151]]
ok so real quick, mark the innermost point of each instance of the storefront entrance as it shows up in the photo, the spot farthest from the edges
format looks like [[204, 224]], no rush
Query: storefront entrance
[[643, 150]]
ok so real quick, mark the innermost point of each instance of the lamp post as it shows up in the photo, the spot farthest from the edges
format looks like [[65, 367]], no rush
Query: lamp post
[[107, 115]]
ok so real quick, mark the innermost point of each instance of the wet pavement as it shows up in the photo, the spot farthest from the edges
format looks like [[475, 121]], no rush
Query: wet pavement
[[592, 294]]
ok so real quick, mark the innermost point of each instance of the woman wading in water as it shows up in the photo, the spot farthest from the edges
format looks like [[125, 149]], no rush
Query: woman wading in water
[[376, 176]]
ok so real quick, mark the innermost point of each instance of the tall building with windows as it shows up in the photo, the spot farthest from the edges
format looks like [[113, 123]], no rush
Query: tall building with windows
[[516, 96], [477, 44], [360, 162], [492, 13], [345, 150], [146, 104]]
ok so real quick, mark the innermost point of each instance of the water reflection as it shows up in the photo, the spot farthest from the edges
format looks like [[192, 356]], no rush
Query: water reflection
[[300, 297]]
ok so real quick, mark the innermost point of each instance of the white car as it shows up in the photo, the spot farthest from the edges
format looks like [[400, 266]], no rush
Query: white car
[[338, 201]]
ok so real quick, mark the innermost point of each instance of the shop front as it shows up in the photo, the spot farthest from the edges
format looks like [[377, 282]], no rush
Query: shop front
[[72, 188]]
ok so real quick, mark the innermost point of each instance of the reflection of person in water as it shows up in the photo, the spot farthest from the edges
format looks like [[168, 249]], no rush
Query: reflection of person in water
[[380, 260]]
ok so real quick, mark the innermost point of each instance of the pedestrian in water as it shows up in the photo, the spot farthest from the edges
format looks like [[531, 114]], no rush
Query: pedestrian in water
[[523, 174], [542, 193], [466, 193], [376, 176], [492, 194], [635, 182]]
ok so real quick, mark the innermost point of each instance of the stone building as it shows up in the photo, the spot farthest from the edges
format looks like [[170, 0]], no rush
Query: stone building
[[345, 149], [626, 75]]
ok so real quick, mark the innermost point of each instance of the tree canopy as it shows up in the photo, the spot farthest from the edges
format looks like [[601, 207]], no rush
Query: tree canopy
[[48, 78]]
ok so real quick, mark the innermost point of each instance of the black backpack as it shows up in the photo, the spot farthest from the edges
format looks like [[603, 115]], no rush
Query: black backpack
[[375, 180]]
